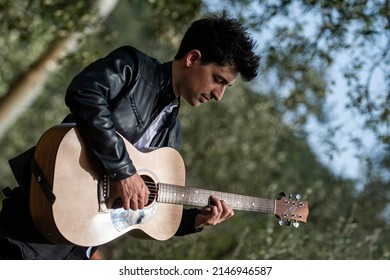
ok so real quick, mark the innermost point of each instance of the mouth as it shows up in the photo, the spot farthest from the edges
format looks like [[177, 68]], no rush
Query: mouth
[[204, 98]]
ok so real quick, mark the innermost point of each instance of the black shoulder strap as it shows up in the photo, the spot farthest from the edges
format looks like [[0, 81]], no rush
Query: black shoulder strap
[[40, 177]]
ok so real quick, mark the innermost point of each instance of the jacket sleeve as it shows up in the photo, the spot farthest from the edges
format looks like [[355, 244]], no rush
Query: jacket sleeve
[[88, 97], [187, 224]]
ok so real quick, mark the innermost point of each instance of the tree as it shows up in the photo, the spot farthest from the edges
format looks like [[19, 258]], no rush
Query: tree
[[310, 35], [67, 29], [37, 38]]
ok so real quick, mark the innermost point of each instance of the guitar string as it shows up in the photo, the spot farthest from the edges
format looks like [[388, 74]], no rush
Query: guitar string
[[255, 204], [252, 203]]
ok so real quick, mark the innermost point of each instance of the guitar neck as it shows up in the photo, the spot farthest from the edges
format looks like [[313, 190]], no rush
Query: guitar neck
[[174, 194]]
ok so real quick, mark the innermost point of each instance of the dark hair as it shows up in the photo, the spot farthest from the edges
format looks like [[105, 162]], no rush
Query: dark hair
[[222, 40]]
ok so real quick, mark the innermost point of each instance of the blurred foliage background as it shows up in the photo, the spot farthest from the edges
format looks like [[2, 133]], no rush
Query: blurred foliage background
[[255, 141]]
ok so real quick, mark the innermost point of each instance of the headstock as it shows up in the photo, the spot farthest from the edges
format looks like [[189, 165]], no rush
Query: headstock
[[291, 211]]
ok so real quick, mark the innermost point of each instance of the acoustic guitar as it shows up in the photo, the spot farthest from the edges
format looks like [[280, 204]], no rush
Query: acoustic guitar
[[71, 203]]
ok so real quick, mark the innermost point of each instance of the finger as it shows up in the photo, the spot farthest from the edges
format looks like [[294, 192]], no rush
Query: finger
[[216, 216], [206, 211], [146, 200], [227, 211], [215, 203], [146, 197], [125, 198], [126, 203], [133, 204], [216, 213], [143, 197], [221, 206], [141, 202]]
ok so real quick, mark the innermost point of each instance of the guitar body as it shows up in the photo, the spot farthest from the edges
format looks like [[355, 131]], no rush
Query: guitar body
[[73, 176]]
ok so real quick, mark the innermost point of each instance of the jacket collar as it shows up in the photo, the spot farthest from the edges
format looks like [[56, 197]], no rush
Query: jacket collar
[[169, 94]]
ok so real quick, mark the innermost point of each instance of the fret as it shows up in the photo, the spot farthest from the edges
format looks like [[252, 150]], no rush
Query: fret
[[173, 194]]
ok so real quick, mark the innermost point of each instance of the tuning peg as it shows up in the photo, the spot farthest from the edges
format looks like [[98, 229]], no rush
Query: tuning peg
[[290, 196], [298, 196], [281, 222], [288, 223], [295, 224]]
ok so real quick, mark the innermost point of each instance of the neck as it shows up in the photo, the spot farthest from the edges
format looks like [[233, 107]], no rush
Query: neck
[[176, 76]]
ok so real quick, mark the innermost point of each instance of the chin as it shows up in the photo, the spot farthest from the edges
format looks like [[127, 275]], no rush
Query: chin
[[194, 103]]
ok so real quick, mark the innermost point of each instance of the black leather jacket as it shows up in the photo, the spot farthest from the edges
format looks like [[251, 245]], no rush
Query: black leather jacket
[[122, 92]]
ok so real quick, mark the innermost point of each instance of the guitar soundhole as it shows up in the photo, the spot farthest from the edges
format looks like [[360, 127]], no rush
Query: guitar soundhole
[[152, 186]]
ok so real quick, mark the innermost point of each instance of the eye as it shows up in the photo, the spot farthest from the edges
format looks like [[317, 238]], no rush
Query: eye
[[219, 81]]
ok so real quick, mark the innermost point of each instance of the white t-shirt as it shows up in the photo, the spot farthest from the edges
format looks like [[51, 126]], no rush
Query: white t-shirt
[[149, 134]]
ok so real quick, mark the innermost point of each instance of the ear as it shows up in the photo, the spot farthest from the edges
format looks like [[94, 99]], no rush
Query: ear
[[193, 57]]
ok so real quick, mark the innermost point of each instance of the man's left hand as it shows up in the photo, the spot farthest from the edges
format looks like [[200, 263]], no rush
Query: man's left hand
[[216, 212]]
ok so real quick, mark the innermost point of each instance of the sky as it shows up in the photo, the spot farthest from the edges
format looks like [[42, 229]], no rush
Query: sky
[[344, 161]]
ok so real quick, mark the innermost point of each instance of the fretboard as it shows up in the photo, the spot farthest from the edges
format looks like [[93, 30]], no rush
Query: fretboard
[[199, 197]]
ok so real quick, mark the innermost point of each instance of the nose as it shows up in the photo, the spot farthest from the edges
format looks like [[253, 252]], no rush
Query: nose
[[218, 93]]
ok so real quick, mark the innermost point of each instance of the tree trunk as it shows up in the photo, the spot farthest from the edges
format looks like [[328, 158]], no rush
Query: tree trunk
[[29, 85]]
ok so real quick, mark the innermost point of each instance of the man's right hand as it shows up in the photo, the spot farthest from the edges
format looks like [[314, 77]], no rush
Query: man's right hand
[[133, 192]]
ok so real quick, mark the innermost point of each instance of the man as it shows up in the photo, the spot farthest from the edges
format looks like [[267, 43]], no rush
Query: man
[[135, 95]]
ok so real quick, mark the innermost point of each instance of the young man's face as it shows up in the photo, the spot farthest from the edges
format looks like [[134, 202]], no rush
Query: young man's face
[[199, 83]]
